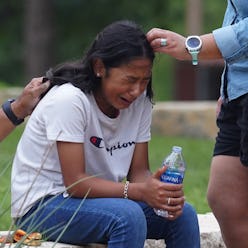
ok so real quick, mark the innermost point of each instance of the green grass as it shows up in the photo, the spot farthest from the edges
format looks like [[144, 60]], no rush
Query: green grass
[[197, 154], [7, 150]]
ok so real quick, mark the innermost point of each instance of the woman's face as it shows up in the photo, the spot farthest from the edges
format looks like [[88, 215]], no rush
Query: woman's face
[[121, 86]]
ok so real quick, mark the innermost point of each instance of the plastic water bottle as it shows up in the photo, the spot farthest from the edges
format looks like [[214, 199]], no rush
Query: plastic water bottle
[[174, 173]]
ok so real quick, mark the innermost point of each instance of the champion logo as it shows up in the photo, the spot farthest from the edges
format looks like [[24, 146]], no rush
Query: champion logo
[[96, 141]]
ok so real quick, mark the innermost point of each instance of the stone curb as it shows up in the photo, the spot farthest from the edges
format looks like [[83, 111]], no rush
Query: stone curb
[[209, 230], [185, 119]]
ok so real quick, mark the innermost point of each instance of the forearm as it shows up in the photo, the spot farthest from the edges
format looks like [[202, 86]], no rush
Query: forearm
[[12, 114], [96, 187], [151, 190], [209, 48], [6, 126]]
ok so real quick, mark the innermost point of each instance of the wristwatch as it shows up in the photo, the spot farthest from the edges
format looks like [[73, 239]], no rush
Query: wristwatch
[[193, 44], [10, 114]]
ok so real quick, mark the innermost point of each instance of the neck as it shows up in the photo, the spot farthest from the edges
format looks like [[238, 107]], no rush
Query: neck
[[106, 108]]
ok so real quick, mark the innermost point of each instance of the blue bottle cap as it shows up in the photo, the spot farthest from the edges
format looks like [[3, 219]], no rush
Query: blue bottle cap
[[177, 149]]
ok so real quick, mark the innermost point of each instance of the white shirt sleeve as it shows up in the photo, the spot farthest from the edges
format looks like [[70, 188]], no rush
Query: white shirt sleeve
[[66, 115]]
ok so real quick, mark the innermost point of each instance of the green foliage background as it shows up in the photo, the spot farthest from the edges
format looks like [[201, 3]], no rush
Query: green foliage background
[[78, 21]]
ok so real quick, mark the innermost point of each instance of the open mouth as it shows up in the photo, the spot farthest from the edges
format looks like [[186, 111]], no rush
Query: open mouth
[[126, 101]]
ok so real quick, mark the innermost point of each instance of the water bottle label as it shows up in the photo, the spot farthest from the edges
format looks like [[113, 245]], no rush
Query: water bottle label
[[172, 177]]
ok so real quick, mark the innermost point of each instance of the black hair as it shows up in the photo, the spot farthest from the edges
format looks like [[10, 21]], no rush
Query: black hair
[[115, 45]]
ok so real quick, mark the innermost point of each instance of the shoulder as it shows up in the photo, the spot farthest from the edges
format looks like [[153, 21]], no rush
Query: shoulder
[[65, 97], [66, 92]]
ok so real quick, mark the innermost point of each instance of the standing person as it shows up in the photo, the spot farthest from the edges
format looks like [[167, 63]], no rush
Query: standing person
[[13, 111], [87, 135], [227, 190]]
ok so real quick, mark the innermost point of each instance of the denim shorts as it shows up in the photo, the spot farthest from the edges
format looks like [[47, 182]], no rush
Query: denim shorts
[[232, 138]]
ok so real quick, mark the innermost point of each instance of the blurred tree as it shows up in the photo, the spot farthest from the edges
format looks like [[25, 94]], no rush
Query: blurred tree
[[11, 55], [38, 37], [194, 18], [79, 21], [46, 32]]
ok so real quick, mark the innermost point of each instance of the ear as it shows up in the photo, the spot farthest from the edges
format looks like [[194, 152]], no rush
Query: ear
[[98, 67]]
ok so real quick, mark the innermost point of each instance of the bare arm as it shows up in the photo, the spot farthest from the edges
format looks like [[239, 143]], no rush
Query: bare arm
[[23, 105], [72, 162], [143, 185], [6, 126], [209, 48]]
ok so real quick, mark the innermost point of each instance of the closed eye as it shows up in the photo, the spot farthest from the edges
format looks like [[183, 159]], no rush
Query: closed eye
[[135, 80]]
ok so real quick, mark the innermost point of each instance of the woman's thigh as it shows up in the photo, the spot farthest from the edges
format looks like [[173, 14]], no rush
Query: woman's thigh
[[102, 220], [228, 184]]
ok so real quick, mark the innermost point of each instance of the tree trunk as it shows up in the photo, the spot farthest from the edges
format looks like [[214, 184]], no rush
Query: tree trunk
[[38, 37], [194, 17]]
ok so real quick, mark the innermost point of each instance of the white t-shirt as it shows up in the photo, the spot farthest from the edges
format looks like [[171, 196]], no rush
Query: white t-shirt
[[67, 114]]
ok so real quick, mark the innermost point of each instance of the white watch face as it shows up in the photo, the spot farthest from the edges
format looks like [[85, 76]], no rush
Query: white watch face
[[194, 42]]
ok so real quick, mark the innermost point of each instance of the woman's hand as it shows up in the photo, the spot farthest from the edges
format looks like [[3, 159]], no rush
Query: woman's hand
[[218, 106], [30, 96], [175, 43], [166, 196]]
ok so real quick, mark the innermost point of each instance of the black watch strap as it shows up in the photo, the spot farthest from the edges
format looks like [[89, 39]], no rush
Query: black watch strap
[[10, 114]]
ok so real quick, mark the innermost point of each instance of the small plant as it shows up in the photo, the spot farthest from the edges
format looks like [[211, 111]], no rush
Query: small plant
[[30, 236]]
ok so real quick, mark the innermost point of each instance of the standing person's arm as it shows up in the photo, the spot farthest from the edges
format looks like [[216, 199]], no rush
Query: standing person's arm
[[228, 42], [13, 112], [175, 45]]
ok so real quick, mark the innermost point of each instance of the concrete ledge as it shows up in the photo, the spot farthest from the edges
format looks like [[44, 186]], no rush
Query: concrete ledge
[[185, 118], [209, 229]]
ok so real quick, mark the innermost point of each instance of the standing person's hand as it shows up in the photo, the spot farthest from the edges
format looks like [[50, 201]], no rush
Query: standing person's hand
[[168, 42], [218, 106], [30, 96]]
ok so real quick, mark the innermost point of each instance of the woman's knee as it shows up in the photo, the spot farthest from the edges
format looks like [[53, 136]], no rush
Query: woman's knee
[[133, 215], [129, 222], [190, 215], [223, 206], [187, 227], [211, 198]]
